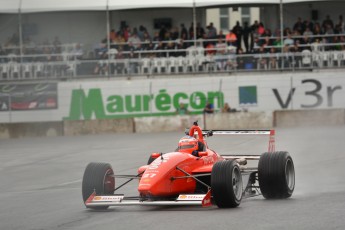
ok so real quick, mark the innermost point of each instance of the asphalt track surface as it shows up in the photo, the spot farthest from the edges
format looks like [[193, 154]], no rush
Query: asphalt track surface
[[41, 183]]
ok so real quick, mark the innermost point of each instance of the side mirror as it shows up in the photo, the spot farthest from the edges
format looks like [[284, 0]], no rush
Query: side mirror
[[202, 154], [186, 131], [155, 155]]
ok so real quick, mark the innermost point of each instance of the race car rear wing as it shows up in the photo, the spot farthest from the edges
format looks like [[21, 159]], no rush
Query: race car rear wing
[[271, 133]]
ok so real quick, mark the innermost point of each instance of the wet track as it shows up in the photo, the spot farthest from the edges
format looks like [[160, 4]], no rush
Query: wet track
[[41, 183]]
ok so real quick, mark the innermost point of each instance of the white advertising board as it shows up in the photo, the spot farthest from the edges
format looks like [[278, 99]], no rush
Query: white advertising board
[[113, 98]]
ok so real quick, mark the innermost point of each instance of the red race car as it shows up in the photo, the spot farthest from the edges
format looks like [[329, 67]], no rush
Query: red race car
[[194, 174]]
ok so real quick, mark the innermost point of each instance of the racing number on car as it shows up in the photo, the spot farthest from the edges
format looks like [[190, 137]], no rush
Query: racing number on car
[[155, 164], [148, 175]]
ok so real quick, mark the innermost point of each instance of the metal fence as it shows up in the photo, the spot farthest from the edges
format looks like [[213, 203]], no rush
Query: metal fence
[[149, 63]]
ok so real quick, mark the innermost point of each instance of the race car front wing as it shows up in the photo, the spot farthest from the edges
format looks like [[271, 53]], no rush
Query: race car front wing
[[120, 200]]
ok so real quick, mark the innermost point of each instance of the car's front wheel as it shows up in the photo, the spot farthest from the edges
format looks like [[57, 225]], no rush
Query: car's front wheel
[[226, 184], [99, 178]]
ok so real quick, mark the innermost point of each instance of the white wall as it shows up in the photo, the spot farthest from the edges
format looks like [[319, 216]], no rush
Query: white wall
[[309, 90]]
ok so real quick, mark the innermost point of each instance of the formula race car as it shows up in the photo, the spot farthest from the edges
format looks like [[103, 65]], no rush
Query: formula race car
[[194, 174]]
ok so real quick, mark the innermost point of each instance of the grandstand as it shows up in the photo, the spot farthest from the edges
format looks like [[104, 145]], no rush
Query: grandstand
[[93, 40]]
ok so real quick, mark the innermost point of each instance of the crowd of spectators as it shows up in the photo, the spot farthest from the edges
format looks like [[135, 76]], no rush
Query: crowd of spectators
[[138, 42], [247, 39]]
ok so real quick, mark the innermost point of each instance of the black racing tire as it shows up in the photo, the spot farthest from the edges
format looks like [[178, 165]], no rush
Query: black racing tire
[[226, 184], [98, 177], [276, 175]]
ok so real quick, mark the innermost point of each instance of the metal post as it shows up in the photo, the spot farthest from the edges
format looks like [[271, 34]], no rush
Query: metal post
[[220, 90], [281, 32], [10, 107], [108, 37], [194, 22], [20, 36]]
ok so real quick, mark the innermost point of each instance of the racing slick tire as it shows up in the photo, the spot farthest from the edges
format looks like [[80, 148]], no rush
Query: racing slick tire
[[276, 174], [98, 177], [226, 184]]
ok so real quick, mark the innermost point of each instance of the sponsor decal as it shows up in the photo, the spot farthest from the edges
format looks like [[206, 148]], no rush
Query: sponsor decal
[[248, 96], [319, 94], [108, 198], [208, 160], [92, 103], [27, 97], [206, 202], [191, 197]]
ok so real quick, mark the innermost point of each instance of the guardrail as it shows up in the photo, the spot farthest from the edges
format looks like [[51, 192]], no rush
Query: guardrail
[[190, 64]]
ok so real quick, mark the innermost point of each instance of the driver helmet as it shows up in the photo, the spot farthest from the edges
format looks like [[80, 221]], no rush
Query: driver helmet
[[187, 144]]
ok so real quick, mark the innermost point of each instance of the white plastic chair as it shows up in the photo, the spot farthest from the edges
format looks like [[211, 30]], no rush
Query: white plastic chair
[[5, 70], [38, 69], [27, 70], [306, 58], [145, 65], [15, 70]]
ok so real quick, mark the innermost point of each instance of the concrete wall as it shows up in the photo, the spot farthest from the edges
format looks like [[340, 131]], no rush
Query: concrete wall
[[309, 117], [237, 120], [72, 128]]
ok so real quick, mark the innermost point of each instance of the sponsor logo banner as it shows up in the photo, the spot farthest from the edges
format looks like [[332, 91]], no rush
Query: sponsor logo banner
[[191, 197], [31, 96], [108, 198]]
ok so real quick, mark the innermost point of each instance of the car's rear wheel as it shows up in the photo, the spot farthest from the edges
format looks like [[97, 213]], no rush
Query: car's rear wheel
[[276, 175], [226, 184], [98, 177]]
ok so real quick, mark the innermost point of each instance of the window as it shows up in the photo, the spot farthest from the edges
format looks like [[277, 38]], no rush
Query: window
[[224, 19], [245, 15]]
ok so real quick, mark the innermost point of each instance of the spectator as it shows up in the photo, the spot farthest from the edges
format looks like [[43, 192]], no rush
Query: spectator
[[221, 35], [182, 109], [209, 108], [247, 31], [174, 34], [200, 32], [142, 30], [238, 30], [156, 37], [231, 38], [160, 47], [288, 41], [327, 21], [180, 46], [273, 60], [307, 32], [77, 52], [299, 26], [162, 32], [261, 29], [317, 31], [112, 35], [308, 24], [210, 49], [134, 40], [212, 31], [341, 25], [119, 40], [184, 32], [226, 108], [191, 31], [146, 40]]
